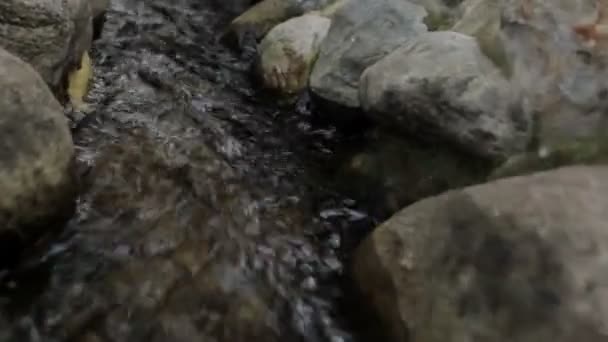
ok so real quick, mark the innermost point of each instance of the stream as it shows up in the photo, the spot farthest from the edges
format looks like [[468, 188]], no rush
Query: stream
[[205, 212]]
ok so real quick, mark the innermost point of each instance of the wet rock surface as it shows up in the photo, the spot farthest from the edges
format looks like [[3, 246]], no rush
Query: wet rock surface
[[199, 217]]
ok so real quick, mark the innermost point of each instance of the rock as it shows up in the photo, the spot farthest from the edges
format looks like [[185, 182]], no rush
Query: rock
[[481, 19], [558, 55], [259, 19], [391, 172], [440, 16], [521, 259], [289, 50], [439, 86], [36, 145], [362, 32], [51, 35]]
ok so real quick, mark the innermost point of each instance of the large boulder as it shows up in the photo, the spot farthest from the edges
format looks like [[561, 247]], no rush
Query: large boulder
[[51, 35], [35, 178], [289, 50], [362, 32], [521, 260], [440, 86]]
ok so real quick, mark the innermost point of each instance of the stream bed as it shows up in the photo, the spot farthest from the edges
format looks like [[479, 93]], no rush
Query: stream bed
[[205, 213]]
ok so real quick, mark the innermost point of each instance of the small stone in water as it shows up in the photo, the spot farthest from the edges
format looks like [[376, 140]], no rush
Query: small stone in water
[[334, 241], [309, 284], [333, 263], [306, 269]]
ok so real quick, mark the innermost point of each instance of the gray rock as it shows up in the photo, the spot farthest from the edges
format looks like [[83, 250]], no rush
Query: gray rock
[[362, 32], [439, 86], [521, 260], [556, 53], [481, 19], [36, 149], [51, 35], [559, 54]]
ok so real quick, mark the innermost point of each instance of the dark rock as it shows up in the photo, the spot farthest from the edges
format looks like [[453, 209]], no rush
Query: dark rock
[[36, 152]]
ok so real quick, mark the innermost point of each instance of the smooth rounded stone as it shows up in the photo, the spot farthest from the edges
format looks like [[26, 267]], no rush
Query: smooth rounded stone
[[440, 87], [266, 14], [37, 151], [362, 32], [289, 50], [51, 35], [520, 259]]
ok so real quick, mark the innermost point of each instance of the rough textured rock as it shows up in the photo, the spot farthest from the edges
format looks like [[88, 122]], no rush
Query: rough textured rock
[[51, 35], [520, 260], [440, 15], [263, 16], [289, 50], [481, 19], [36, 146], [362, 32], [440, 86], [558, 53]]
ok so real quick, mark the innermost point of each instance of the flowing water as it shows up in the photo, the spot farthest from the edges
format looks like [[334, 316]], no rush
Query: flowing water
[[204, 213]]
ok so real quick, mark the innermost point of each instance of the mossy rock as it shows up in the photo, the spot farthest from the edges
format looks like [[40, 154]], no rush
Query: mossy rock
[[438, 21], [391, 172], [582, 152]]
